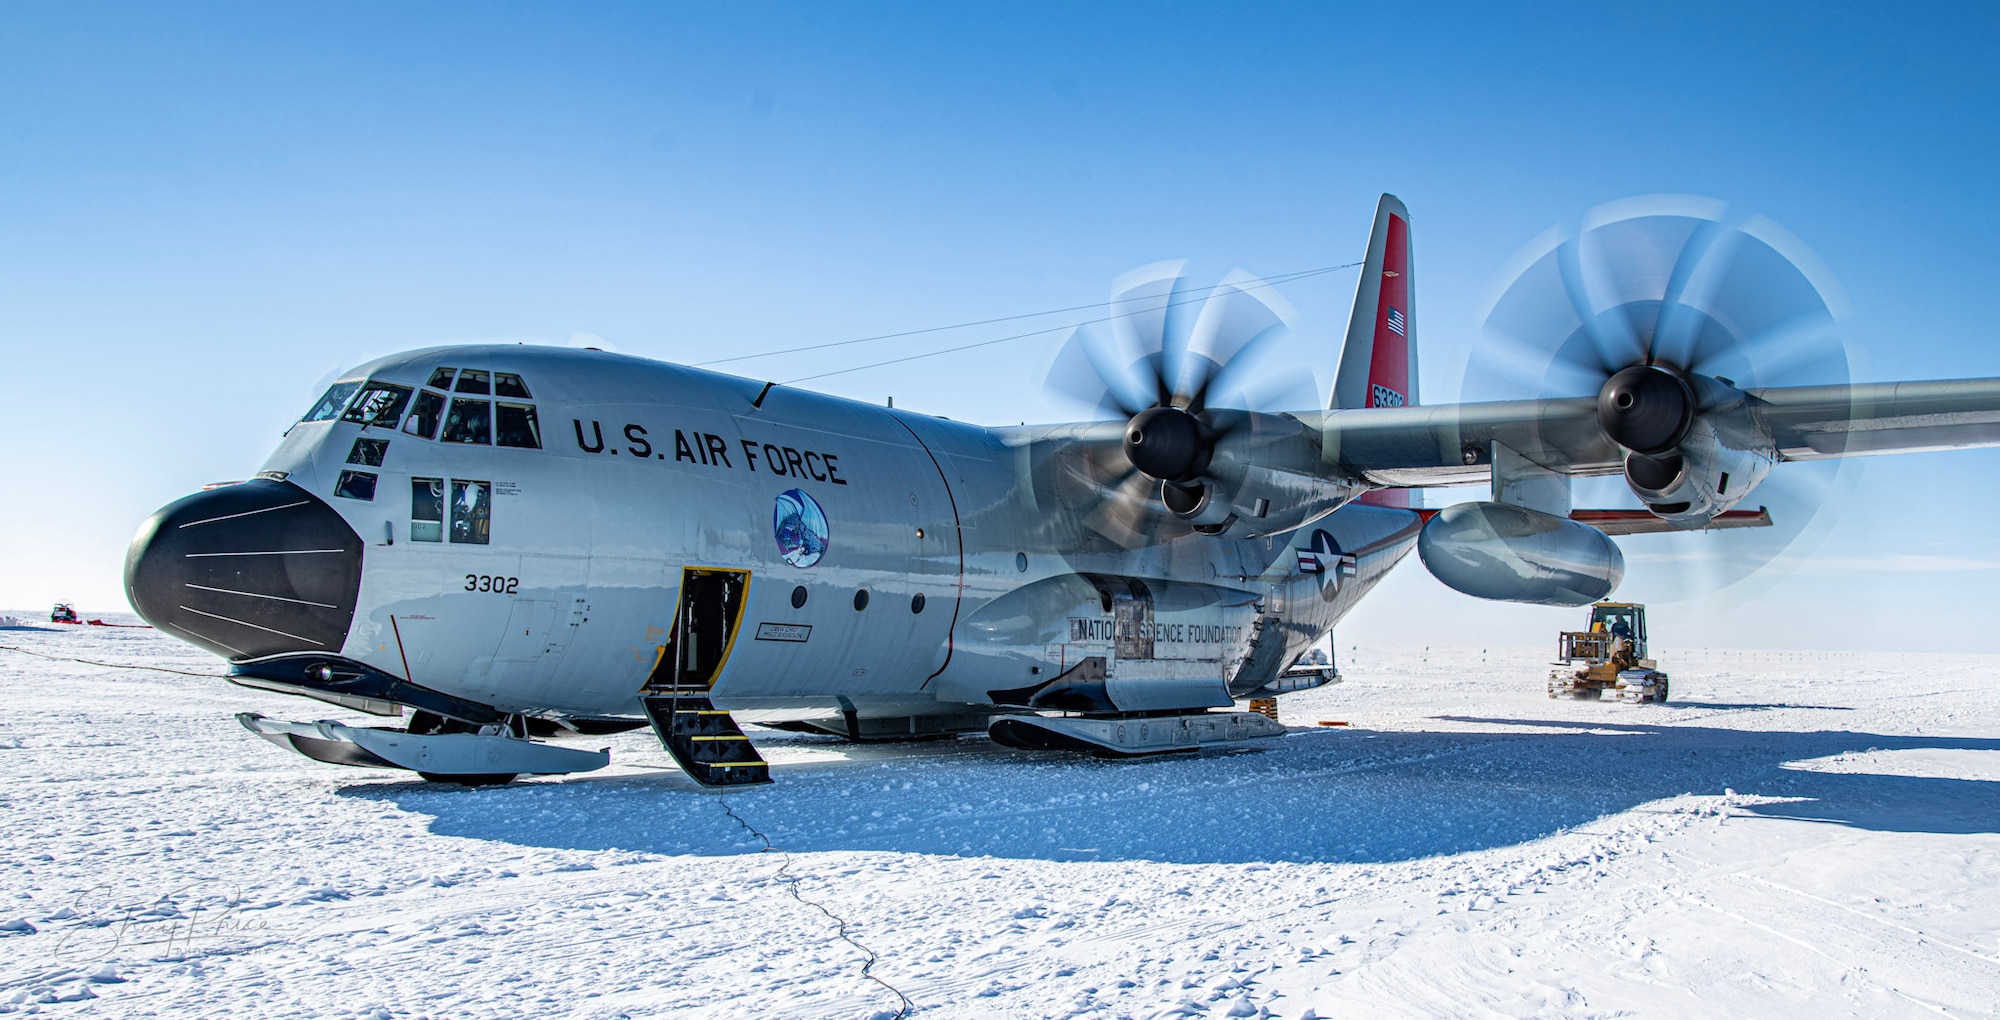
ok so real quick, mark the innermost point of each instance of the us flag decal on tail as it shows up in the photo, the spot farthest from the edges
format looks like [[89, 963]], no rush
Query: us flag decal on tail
[[1396, 324]]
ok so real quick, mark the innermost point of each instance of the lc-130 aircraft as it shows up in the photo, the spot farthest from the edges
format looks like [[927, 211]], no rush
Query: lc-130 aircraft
[[504, 544]]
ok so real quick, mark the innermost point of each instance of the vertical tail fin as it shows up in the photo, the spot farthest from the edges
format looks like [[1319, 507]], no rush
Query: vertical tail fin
[[1378, 365]]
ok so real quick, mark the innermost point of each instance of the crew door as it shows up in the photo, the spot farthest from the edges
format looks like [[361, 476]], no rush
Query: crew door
[[704, 629]]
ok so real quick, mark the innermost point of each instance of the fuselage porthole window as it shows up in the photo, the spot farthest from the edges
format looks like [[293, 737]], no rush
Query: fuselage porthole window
[[470, 421], [424, 415], [515, 425], [507, 384], [472, 380], [380, 405]]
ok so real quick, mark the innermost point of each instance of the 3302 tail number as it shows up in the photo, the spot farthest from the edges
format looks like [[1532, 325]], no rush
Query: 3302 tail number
[[492, 583]]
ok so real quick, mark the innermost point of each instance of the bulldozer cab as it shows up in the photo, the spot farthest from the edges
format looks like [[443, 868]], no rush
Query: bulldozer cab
[[1621, 620], [1609, 667]]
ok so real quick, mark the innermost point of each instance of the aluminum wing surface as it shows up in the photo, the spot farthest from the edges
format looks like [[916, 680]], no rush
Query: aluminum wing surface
[[1451, 444], [1819, 422]]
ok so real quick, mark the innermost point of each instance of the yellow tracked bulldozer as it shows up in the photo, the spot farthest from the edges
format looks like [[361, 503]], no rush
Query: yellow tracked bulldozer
[[1609, 656]]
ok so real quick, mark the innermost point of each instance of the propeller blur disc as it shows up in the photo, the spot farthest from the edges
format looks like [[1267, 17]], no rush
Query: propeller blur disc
[[1165, 344], [1679, 282]]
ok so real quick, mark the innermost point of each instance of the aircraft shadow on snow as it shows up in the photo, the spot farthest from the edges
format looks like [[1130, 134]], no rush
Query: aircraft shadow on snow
[[1319, 795]]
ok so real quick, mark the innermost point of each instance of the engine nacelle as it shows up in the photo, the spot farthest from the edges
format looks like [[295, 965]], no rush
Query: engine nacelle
[[1705, 476], [1511, 554]]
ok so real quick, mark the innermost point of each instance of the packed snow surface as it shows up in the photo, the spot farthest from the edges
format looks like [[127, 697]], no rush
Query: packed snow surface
[[1798, 834]]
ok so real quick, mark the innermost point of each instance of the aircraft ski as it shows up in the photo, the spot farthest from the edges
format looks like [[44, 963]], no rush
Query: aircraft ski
[[1135, 737], [479, 757]]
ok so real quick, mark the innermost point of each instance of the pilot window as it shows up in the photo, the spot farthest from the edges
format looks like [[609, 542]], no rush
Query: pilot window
[[469, 421], [368, 452], [471, 511], [516, 426], [381, 405], [426, 509], [356, 485], [424, 415], [329, 405]]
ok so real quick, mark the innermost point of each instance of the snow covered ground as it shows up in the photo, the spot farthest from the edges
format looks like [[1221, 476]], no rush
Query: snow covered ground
[[1801, 834]]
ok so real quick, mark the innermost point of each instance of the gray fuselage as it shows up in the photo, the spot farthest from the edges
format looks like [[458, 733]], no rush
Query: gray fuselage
[[545, 580]]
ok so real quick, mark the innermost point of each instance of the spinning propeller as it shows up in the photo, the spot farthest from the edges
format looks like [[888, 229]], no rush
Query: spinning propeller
[[1178, 365], [1664, 308]]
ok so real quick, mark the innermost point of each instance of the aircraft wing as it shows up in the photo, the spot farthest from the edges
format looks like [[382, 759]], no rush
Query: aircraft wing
[[1451, 444], [1817, 422]]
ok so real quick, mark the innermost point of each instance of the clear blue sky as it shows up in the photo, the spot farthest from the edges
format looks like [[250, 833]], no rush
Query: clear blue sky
[[205, 210]]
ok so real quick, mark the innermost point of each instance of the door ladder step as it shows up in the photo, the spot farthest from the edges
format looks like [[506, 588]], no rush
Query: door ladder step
[[705, 741]]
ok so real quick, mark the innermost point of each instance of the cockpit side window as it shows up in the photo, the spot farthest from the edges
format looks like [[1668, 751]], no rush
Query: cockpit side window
[[470, 421], [423, 420], [426, 509], [472, 380], [441, 379], [329, 405], [380, 404], [471, 512], [507, 384], [516, 426]]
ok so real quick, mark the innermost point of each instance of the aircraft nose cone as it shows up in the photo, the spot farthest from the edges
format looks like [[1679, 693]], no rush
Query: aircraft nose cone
[[247, 571]]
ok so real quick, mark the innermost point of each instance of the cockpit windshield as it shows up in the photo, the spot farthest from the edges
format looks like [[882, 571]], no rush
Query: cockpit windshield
[[516, 426], [469, 422], [454, 407], [329, 405], [423, 419], [380, 404]]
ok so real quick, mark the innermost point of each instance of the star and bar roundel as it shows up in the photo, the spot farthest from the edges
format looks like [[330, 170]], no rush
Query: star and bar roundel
[[1325, 562]]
